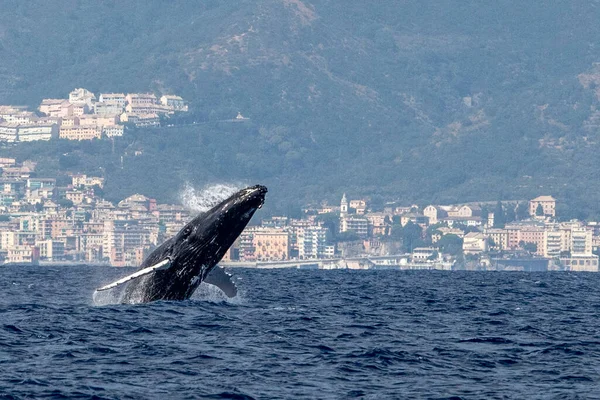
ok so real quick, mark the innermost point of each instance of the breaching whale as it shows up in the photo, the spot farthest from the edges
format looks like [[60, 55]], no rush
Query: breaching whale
[[175, 269]]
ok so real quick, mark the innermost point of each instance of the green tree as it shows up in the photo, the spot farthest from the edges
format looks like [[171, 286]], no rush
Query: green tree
[[539, 211], [64, 203], [331, 221], [510, 214], [411, 236], [347, 237], [529, 247], [450, 244], [499, 216], [484, 215]]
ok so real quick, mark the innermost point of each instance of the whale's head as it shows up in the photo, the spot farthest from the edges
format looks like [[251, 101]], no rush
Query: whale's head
[[205, 239]]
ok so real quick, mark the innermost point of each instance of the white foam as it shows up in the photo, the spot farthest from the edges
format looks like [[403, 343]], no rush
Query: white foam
[[202, 200], [211, 293]]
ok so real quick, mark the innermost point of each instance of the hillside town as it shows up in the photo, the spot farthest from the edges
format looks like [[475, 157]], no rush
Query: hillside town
[[47, 223], [82, 116]]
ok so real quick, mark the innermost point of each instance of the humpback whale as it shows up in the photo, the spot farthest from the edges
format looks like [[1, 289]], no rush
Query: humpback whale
[[175, 269]]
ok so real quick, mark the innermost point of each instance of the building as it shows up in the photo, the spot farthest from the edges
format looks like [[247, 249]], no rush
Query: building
[[23, 255], [9, 132], [420, 254], [175, 103], [75, 196], [356, 224], [82, 96], [548, 204], [359, 206], [141, 120], [344, 206], [415, 218], [141, 99], [79, 132], [271, 244], [87, 181], [31, 133], [111, 131], [113, 98], [497, 238], [101, 108], [51, 250], [581, 242], [554, 243], [379, 223], [98, 120], [533, 235], [580, 263], [7, 162], [312, 242], [475, 243], [434, 213], [56, 108]]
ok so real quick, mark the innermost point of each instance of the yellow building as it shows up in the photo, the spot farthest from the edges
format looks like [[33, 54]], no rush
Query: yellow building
[[499, 237], [79, 132], [271, 244]]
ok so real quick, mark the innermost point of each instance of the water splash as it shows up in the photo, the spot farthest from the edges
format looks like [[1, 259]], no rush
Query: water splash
[[204, 199], [213, 294]]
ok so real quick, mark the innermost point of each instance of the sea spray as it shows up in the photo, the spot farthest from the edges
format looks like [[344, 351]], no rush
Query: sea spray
[[204, 199]]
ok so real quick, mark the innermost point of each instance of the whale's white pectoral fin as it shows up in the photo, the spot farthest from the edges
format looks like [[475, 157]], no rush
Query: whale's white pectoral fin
[[164, 264], [222, 280]]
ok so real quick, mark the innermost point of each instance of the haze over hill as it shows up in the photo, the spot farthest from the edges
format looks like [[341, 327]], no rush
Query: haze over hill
[[423, 101]]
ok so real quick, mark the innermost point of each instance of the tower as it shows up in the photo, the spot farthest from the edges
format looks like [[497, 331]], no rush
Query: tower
[[344, 206]]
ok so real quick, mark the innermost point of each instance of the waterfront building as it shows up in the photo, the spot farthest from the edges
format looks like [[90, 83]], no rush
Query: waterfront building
[[271, 244], [499, 238], [580, 263], [311, 242], [51, 250], [420, 254], [23, 255], [475, 243]]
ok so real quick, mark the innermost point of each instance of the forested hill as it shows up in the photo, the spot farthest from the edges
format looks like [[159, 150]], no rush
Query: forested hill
[[430, 101]]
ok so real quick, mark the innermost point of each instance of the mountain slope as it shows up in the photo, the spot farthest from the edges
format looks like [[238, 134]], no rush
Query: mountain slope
[[422, 101]]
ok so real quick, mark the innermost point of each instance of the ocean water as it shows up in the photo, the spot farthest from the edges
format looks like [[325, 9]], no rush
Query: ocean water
[[305, 334]]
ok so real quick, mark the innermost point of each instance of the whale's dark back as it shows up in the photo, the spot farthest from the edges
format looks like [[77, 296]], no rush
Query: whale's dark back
[[196, 249]]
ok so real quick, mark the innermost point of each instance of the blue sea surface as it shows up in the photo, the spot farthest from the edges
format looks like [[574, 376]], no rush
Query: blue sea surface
[[304, 334]]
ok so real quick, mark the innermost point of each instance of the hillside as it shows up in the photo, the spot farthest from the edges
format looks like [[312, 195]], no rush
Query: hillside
[[422, 101]]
